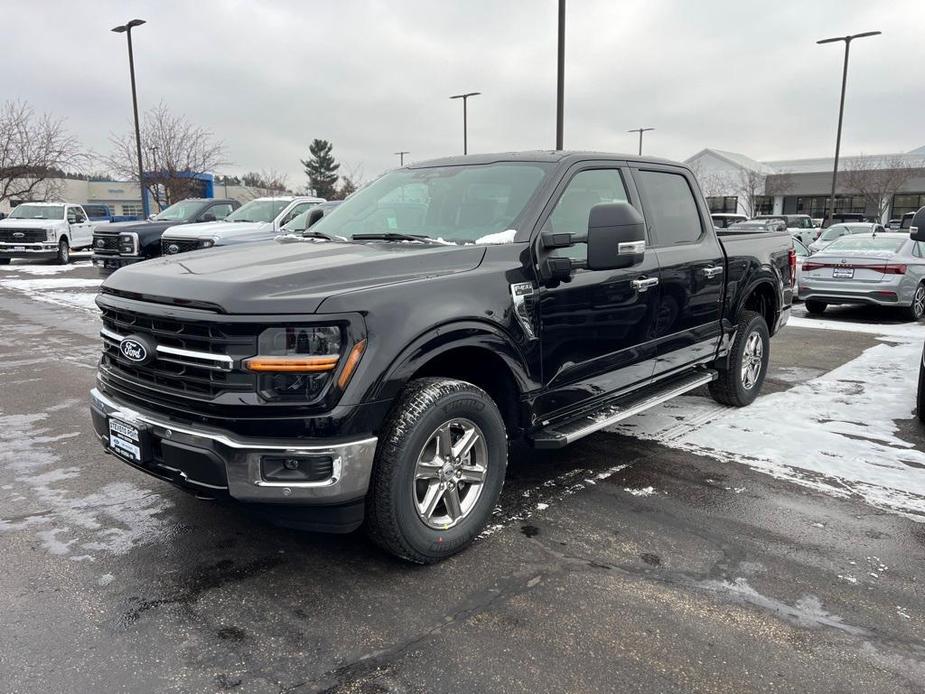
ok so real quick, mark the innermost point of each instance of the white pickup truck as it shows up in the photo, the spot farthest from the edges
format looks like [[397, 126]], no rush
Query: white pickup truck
[[44, 230], [260, 219]]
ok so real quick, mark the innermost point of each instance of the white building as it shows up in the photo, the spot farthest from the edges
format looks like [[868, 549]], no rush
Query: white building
[[734, 182]]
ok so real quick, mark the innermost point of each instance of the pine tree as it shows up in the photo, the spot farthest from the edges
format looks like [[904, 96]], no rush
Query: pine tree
[[321, 169]]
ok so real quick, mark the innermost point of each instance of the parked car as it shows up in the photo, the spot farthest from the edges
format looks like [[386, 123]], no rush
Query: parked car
[[906, 222], [44, 230], [119, 244], [843, 217], [802, 253], [895, 224], [257, 220], [722, 220], [799, 225], [378, 379], [886, 269], [836, 231], [817, 222]]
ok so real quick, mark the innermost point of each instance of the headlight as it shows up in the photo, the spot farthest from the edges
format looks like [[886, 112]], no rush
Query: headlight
[[206, 243], [49, 234], [128, 243]]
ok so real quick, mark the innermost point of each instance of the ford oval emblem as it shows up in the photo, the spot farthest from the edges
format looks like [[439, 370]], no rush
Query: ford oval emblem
[[173, 248], [100, 243], [133, 350], [18, 235]]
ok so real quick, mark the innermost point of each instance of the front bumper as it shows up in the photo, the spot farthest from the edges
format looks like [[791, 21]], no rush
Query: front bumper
[[46, 249], [215, 462], [114, 262]]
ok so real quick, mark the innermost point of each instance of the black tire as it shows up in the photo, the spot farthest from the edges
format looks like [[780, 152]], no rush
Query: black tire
[[64, 252], [815, 307], [920, 394], [5, 261], [393, 520], [917, 309], [731, 387]]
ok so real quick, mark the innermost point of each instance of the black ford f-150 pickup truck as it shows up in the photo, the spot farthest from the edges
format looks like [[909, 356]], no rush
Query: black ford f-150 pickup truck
[[124, 243], [376, 369]]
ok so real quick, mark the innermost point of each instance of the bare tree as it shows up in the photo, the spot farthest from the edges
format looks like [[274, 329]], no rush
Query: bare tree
[[877, 180], [350, 182], [173, 151], [265, 183], [33, 149], [752, 185]]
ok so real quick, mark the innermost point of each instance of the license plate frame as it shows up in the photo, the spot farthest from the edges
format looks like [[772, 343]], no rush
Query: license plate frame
[[19, 249], [843, 273], [128, 440]]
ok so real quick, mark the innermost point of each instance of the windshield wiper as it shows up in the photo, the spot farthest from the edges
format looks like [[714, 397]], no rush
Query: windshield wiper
[[392, 236], [308, 233]]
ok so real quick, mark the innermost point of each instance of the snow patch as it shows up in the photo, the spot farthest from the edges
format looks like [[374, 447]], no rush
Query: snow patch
[[499, 237], [645, 491]]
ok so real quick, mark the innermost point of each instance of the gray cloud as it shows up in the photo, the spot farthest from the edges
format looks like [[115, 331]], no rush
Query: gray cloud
[[374, 77]]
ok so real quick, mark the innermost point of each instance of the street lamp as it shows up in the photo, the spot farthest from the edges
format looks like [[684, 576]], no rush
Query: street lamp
[[401, 156], [465, 98], [127, 30], [841, 106], [640, 131], [560, 79]]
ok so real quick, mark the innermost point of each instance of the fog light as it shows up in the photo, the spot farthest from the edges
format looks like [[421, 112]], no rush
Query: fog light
[[292, 468]]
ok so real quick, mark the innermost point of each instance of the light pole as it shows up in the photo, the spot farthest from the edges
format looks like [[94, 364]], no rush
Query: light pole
[[127, 30], [640, 131], [465, 98], [401, 156], [560, 79], [841, 107]]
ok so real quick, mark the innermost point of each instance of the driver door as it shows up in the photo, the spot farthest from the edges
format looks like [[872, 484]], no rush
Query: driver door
[[597, 329]]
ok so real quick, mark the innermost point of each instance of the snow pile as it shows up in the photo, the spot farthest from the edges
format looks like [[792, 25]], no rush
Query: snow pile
[[836, 433], [499, 237]]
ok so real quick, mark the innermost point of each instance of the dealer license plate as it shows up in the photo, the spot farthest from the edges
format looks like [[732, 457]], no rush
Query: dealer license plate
[[843, 273], [126, 440], [19, 248]]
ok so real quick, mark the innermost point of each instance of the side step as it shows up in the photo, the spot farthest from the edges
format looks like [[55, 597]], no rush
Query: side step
[[564, 433]]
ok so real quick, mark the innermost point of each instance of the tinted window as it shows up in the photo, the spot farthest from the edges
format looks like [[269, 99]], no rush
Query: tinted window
[[584, 191], [670, 207], [220, 211]]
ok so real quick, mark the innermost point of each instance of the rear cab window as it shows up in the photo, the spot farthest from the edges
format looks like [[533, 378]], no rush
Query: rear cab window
[[671, 210]]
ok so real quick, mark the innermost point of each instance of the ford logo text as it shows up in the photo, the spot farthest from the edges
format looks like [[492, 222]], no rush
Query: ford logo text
[[133, 350]]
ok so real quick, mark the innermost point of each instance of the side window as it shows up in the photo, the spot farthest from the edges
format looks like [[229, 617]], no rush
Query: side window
[[670, 207], [584, 191], [81, 217], [295, 212], [72, 215], [220, 211], [917, 249]]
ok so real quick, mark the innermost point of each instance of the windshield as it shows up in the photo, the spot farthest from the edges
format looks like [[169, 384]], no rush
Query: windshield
[[185, 209], [833, 233], [866, 244], [258, 211], [459, 204], [38, 212]]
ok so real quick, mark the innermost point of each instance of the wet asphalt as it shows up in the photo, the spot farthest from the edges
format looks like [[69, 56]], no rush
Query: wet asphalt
[[720, 578]]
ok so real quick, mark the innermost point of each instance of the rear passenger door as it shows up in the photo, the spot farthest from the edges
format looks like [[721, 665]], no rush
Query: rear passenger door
[[692, 266], [81, 228]]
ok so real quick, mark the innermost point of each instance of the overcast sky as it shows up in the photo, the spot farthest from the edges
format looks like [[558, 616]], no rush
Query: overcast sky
[[374, 77]]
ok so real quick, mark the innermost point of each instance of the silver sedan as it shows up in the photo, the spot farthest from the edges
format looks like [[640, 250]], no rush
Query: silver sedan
[[881, 269]]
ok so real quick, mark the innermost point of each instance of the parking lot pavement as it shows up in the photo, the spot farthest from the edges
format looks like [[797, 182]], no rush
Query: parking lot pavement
[[694, 548]]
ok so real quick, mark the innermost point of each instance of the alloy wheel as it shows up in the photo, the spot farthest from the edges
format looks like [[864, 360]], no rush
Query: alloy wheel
[[918, 302], [450, 473], [752, 358]]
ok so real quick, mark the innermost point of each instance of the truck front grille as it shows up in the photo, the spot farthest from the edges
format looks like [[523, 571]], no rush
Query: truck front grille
[[22, 235], [193, 359], [173, 246], [106, 243]]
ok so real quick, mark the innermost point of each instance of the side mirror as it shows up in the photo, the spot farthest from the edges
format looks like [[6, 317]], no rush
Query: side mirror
[[208, 217], [314, 216], [616, 236], [917, 228]]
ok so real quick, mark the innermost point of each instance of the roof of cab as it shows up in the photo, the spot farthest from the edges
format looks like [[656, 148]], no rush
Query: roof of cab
[[545, 156]]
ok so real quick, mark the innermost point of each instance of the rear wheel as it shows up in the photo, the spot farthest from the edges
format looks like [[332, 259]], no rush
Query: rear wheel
[[5, 261], [439, 470], [815, 307], [920, 395], [917, 309], [64, 252], [741, 379]]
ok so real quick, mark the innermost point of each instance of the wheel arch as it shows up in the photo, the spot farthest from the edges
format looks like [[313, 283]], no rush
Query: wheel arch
[[762, 298]]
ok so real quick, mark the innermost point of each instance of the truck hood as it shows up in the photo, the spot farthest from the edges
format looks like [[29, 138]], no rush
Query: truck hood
[[143, 227], [202, 230], [30, 223], [287, 276]]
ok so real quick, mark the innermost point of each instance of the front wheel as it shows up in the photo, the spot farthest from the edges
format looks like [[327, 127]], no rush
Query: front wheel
[[64, 252], [920, 394], [917, 309], [741, 379], [439, 470]]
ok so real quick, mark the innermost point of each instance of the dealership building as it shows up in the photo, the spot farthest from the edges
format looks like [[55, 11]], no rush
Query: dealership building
[[803, 186]]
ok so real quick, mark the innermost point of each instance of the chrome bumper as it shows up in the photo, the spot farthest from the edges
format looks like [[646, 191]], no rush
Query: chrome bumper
[[26, 250], [352, 460]]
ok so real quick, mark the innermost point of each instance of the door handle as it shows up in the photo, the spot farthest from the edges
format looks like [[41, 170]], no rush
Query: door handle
[[643, 283], [713, 271]]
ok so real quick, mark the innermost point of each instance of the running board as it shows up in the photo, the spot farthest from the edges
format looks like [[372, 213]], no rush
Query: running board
[[564, 433]]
